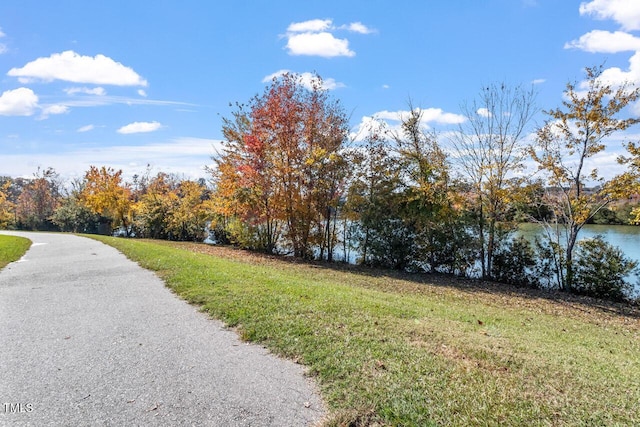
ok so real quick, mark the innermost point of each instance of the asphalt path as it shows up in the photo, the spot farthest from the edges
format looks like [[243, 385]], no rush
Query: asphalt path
[[89, 338]]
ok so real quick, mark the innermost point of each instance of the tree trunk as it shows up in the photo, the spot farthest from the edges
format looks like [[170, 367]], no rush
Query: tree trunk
[[328, 235], [571, 242], [483, 260]]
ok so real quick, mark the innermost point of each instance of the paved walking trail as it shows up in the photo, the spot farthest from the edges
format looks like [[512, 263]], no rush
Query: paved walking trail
[[88, 338]]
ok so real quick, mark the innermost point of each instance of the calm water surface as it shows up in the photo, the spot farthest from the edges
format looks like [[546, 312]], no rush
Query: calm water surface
[[626, 237]]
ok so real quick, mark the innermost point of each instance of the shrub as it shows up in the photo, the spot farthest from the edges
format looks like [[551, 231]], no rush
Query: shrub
[[514, 263], [601, 270]]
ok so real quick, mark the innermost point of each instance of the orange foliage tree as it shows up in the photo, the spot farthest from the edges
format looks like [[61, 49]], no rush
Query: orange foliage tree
[[38, 201], [106, 194], [283, 165]]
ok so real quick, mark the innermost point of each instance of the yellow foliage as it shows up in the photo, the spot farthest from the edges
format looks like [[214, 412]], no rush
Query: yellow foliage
[[7, 209], [105, 194]]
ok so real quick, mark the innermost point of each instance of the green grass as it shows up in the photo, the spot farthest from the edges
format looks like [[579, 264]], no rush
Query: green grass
[[12, 248], [387, 350]]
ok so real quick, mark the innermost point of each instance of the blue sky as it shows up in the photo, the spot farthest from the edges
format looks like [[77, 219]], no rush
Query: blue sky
[[131, 83]]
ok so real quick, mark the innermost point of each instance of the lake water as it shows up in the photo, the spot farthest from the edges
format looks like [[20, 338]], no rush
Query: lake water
[[626, 237]]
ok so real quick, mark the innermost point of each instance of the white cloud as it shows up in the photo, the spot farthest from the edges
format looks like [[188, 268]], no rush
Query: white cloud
[[327, 84], [318, 44], [86, 128], [616, 76], [386, 87], [323, 25], [389, 121], [483, 112], [395, 116], [369, 125], [438, 116], [598, 41], [140, 127], [53, 110], [306, 79], [97, 101], [314, 25], [358, 27], [316, 38], [627, 14], [624, 12], [98, 91], [72, 67], [24, 102], [538, 81], [429, 115], [3, 47], [18, 102], [142, 93], [277, 74]]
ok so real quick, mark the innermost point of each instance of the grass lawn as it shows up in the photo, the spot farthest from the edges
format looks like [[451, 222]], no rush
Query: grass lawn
[[395, 349], [12, 248]]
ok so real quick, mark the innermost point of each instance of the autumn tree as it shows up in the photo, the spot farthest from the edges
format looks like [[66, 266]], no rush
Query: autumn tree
[[189, 213], [72, 215], [634, 166], [490, 149], [280, 168], [303, 130], [565, 150], [245, 196], [105, 193], [38, 201], [441, 242], [326, 165], [157, 197], [7, 213]]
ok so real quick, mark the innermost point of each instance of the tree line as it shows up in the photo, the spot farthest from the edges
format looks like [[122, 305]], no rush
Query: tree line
[[163, 206], [291, 180]]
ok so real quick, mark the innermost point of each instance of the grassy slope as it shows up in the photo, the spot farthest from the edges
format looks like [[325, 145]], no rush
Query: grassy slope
[[12, 248], [390, 350]]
